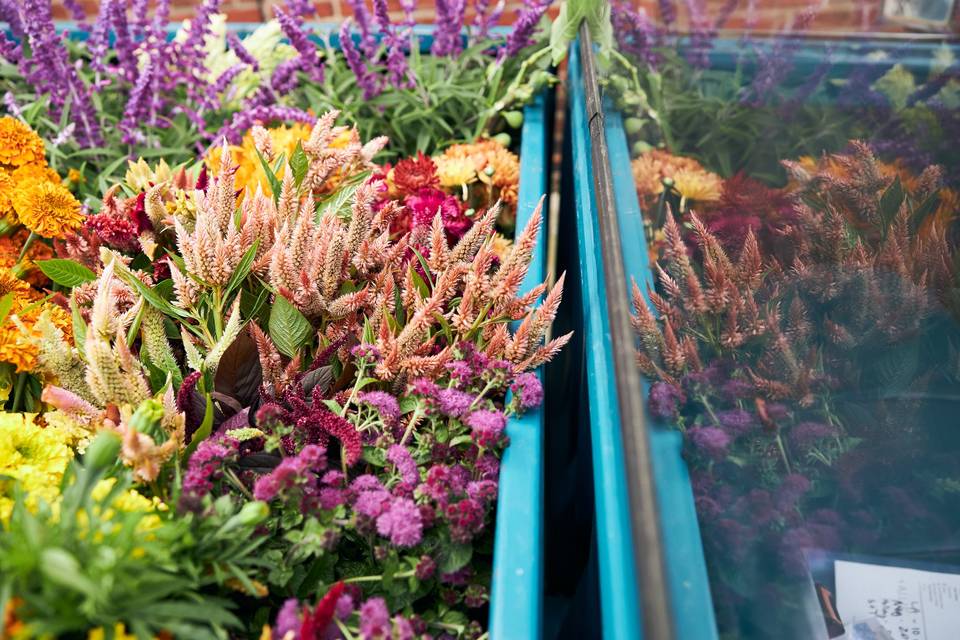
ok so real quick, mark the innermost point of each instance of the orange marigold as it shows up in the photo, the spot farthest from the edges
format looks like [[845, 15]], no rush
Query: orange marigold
[[29, 174], [652, 167], [48, 209], [19, 144], [249, 171], [6, 195], [17, 347]]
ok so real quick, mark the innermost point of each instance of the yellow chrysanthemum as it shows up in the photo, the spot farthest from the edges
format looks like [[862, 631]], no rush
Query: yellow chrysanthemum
[[454, 172], [19, 144], [699, 186], [32, 456], [652, 167], [68, 430], [48, 209]]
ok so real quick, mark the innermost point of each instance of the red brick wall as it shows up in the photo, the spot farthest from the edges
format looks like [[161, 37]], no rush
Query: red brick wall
[[845, 15]]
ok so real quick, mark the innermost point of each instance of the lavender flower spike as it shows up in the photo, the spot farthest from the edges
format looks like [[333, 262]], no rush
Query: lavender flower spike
[[366, 80], [523, 30]]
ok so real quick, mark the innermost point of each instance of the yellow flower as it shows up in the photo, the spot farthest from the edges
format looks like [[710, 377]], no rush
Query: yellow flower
[[501, 246], [119, 633], [19, 144], [68, 430], [6, 195], [700, 186], [250, 173], [652, 167], [48, 209], [74, 177], [31, 455], [454, 172], [30, 174], [140, 176]]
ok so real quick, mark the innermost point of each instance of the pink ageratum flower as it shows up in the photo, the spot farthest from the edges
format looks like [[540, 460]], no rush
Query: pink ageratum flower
[[528, 390], [297, 471], [406, 466], [487, 427], [386, 404], [401, 523]]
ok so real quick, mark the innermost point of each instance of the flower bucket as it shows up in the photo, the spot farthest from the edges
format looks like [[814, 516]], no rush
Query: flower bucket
[[691, 604]]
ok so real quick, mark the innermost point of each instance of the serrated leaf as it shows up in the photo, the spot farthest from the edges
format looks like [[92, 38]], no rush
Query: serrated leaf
[[66, 273], [288, 328]]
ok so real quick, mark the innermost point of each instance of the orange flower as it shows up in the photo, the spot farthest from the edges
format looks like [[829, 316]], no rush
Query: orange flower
[[19, 144], [6, 196], [652, 167], [250, 173], [48, 209]]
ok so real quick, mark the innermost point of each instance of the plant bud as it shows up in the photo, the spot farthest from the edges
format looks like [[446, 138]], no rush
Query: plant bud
[[503, 138], [102, 452], [514, 118], [634, 125]]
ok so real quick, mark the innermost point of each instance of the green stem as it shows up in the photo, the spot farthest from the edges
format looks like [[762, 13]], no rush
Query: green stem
[[26, 246], [783, 452], [217, 313], [343, 629], [413, 421], [402, 574], [480, 395]]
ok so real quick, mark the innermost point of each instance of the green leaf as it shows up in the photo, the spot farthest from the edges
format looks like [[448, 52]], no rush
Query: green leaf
[[271, 177], [66, 273], [151, 295], [243, 267], [455, 556], [288, 328], [6, 303], [79, 327], [299, 164], [203, 432], [890, 202]]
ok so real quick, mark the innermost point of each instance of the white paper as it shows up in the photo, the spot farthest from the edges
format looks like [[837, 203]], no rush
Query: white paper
[[911, 604]]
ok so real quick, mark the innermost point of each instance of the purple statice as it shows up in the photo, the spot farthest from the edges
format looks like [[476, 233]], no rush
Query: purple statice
[[487, 427], [664, 399], [453, 402], [288, 619], [736, 422], [528, 390], [374, 619], [366, 79], [48, 70], [298, 471], [804, 435], [405, 464], [447, 39], [385, 403], [292, 27], [485, 18], [712, 442], [205, 467], [242, 121], [523, 29], [635, 32], [401, 523]]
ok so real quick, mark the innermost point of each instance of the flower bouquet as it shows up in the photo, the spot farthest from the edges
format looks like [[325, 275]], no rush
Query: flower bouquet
[[802, 330], [280, 408]]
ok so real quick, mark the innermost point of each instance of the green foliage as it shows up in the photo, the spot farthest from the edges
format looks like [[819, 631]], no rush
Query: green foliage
[[87, 562]]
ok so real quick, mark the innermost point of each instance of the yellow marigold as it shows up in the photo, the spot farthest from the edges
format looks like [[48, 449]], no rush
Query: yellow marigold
[[454, 172], [700, 186], [31, 456], [6, 195], [119, 633], [68, 430], [48, 209], [10, 247], [10, 283], [652, 167], [17, 348], [19, 144]]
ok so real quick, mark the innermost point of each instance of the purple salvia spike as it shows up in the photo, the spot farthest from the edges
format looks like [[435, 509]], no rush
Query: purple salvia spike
[[123, 45], [701, 36], [10, 14], [522, 34], [668, 12], [233, 41], [10, 50], [242, 121], [98, 44], [292, 28], [222, 83], [636, 34], [76, 10], [300, 8], [366, 80], [140, 20], [407, 6], [284, 77], [486, 18], [361, 15]]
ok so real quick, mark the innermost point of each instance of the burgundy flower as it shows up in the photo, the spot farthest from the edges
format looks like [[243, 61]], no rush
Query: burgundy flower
[[410, 175]]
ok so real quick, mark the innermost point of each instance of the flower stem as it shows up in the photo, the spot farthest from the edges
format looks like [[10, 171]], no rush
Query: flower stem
[[410, 425], [18, 392], [26, 246], [402, 574]]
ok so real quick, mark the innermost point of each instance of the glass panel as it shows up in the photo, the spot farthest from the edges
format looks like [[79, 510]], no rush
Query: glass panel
[[800, 198]]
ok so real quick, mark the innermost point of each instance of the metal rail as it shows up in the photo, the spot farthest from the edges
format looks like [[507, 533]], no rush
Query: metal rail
[[657, 615]]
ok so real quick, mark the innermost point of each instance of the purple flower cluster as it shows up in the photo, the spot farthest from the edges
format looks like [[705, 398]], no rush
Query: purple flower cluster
[[524, 29], [527, 389], [205, 468], [636, 34], [298, 472], [447, 39]]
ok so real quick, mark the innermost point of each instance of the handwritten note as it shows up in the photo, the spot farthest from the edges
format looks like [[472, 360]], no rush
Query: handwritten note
[[911, 604]]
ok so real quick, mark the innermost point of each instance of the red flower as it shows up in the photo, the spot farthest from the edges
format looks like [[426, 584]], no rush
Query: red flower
[[412, 174], [314, 624]]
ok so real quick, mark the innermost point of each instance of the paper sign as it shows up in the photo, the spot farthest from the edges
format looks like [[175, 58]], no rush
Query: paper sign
[[911, 604]]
